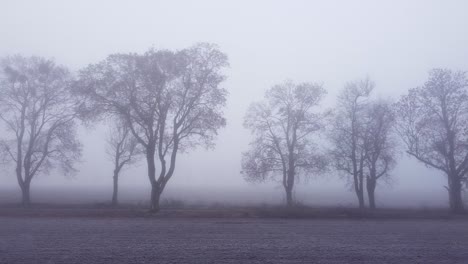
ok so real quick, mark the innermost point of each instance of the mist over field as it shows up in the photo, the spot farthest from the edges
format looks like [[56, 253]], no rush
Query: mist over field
[[395, 43], [209, 131]]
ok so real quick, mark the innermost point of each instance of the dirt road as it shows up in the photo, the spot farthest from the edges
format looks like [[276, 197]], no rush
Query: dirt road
[[152, 240]]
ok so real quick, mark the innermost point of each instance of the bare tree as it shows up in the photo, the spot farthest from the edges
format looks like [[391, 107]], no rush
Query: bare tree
[[39, 112], [123, 149], [348, 134], [379, 144], [171, 101], [284, 126], [433, 123]]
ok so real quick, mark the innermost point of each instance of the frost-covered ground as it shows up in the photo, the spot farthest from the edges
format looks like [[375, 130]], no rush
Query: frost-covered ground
[[224, 240]]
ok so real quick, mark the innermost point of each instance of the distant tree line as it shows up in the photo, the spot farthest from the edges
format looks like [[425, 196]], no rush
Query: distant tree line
[[162, 102], [360, 138]]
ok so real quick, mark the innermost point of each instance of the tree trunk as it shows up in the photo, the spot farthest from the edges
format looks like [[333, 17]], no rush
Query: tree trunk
[[455, 195], [289, 188], [289, 198], [358, 188], [362, 204], [155, 195], [116, 189], [26, 198], [360, 195], [155, 190], [371, 183]]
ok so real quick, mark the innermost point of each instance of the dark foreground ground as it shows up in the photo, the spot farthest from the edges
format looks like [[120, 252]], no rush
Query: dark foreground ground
[[71, 239]]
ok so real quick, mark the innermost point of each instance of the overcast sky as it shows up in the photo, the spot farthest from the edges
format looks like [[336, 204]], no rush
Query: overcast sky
[[395, 43]]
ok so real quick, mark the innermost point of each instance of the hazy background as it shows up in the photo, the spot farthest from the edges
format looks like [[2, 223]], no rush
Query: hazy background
[[331, 42]]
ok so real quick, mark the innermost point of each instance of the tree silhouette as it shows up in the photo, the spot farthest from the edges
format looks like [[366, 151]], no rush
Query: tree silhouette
[[348, 134], [123, 149], [380, 145], [433, 123], [39, 112], [284, 126], [171, 102]]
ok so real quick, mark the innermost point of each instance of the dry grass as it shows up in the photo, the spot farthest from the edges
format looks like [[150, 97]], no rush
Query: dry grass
[[180, 210]]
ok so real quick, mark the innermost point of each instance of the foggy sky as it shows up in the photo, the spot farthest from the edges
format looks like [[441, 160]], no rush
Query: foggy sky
[[395, 43]]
